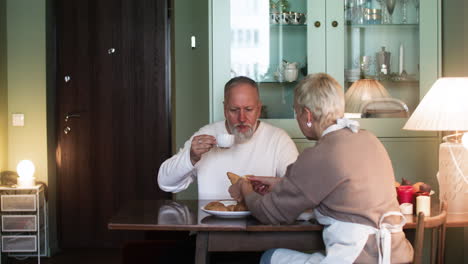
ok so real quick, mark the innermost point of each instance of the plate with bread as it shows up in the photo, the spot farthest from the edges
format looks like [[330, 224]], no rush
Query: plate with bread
[[226, 209]]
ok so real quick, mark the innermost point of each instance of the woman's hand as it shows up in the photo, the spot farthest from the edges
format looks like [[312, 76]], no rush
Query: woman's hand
[[200, 145], [240, 189], [263, 184]]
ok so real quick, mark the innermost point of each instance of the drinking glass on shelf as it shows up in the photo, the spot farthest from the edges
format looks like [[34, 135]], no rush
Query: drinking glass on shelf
[[416, 4], [390, 8], [365, 66], [383, 7], [404, 10]]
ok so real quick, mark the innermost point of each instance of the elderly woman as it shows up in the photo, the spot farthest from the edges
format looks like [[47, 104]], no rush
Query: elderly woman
[[347, 178]]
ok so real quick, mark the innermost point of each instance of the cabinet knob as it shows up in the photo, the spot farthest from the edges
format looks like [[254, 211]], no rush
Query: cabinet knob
[[317, 24], [335, 23]]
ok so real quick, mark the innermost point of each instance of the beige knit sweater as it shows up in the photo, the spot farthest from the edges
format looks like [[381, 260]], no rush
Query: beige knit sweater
[[347, 176]]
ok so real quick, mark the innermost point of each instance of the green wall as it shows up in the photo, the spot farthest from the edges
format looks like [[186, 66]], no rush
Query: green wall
[[3, 89], [190, 88], [23, 89], [455, 38], [455, 64], [26, 74], [190, 69]]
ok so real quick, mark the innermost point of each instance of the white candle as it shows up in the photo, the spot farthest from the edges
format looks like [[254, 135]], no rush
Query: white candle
[[423, 204], [400, 69], [406, 208]]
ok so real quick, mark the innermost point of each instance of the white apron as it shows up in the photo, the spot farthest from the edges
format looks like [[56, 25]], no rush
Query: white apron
[[344, 241]]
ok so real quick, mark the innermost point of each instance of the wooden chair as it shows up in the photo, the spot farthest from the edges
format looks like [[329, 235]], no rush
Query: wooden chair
[[437, 224], [385, 107]]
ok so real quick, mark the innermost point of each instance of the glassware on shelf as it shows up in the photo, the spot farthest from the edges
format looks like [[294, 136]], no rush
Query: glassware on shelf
[[404, 10], [282, 6], [365, 66], [383, 8], [390, 8], [275, 18], [416, 4], [383, 62], [372, 16]]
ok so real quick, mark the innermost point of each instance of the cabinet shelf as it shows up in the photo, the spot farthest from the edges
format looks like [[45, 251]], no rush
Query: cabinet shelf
[[304, 26], [384, 26], [267, 82]]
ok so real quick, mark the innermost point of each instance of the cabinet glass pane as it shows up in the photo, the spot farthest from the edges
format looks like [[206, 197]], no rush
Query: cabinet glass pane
[[382, 44], [268, 44]]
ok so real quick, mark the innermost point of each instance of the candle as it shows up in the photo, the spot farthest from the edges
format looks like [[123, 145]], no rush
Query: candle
[[405, 194], [400, 68], [406, 208], [423, 204]]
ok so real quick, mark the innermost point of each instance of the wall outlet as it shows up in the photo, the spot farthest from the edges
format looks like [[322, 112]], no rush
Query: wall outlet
[[17, 119]]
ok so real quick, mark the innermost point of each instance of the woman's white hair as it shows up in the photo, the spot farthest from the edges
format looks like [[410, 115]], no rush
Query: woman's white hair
[[322, 95]]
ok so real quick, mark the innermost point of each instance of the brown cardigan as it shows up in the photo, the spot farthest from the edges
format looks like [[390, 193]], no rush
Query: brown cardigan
[[347, 176]]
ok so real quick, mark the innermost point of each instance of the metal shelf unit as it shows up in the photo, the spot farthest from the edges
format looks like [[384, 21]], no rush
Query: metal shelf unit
[[23, 222]]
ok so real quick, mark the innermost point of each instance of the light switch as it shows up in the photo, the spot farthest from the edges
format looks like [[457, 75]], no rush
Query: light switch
[[193, 42], [18, 119]]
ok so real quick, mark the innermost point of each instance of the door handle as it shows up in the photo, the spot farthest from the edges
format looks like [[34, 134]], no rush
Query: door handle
[[71, 115]]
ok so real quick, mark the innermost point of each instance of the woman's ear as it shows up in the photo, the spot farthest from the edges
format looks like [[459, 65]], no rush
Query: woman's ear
[[308, 112], [309, 116]]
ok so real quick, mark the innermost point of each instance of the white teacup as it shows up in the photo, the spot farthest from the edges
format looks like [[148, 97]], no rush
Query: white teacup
[[225, 140]]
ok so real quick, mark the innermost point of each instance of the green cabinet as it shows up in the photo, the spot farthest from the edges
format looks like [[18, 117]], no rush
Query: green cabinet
[[267, 40], [344, 38]]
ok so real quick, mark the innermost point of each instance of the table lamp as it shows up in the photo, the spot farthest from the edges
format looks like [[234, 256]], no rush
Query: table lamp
[[25, 171], [445, 108]]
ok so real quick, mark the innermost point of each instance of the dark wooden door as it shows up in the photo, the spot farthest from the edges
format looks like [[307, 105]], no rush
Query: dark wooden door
[[113, 83]]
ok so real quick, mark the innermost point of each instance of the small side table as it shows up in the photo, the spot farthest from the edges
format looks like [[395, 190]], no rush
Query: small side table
[[23, 221]]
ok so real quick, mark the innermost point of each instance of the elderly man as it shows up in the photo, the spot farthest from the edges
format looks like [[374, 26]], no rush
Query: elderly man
[[259, 149]]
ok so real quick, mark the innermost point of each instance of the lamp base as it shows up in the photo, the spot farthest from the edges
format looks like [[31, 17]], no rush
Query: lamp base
[[26, 182], [453, 177]]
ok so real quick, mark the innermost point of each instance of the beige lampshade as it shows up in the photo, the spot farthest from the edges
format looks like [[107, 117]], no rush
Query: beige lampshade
[[444, 108], [363, 91]]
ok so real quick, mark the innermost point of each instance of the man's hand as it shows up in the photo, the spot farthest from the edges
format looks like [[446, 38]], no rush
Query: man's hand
[[200, 145], [263, 184], [240, 189]]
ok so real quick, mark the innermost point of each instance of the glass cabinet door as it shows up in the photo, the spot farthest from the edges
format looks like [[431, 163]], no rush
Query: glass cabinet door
[[385, 54], [268, 43], [381, 73]]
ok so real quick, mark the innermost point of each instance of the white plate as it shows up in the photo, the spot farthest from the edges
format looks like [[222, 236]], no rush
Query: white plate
[[227, 214]]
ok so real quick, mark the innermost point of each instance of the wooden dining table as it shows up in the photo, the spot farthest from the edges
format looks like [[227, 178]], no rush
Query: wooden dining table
[[216, 234]]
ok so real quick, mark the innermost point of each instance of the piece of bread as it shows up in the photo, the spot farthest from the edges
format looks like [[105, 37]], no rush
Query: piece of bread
[[231, 207], [240, 207], [233, 177], [216, 206]]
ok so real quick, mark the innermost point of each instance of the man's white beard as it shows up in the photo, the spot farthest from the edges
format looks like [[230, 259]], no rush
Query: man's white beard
[[241, 137]]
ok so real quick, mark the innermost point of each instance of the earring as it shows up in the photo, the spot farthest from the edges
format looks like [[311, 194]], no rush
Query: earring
[[309, 124]]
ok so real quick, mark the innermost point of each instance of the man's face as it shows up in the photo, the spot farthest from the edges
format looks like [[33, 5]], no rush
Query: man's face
[[242, 110]]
